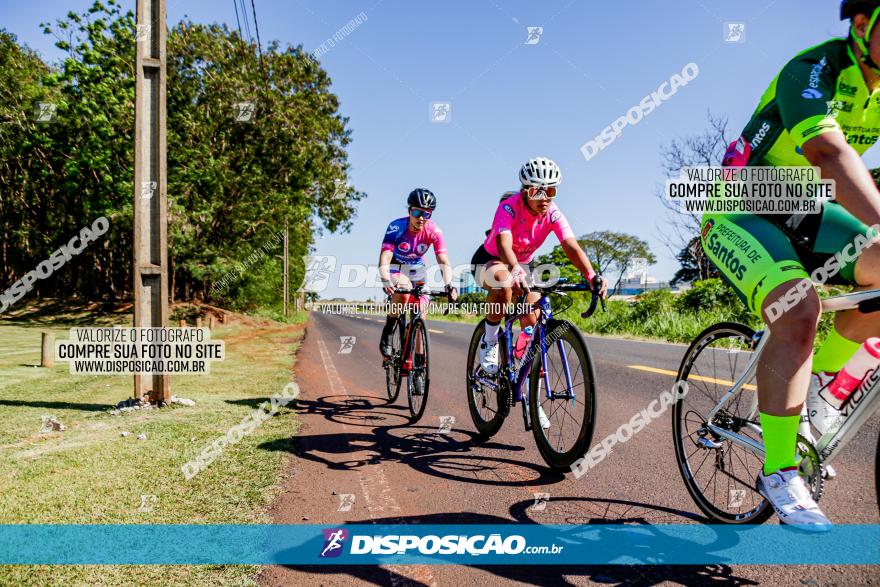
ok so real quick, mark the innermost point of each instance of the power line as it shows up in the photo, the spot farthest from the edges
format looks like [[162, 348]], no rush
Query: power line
[[259, 46], [235, 4], [247, 25]]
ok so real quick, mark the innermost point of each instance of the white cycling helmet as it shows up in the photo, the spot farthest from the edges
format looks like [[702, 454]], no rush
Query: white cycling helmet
[[540, 172]]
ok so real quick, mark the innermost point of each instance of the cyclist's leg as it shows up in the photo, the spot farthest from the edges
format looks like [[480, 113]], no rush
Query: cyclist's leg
[[842, 234], [495, 279], [399, 281], [759, 261]]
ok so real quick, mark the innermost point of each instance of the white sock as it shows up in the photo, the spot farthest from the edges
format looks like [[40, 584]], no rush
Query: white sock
[[491, 334]]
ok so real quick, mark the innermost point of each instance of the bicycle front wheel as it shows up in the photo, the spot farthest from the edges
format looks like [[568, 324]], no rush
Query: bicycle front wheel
[[487, 396], [562, 396], [719, 475], [419, 378]]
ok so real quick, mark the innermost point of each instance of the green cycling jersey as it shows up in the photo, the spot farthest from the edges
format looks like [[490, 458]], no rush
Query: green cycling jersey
[[821, 90]]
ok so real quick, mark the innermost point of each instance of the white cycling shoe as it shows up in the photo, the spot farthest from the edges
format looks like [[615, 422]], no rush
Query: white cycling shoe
[[794, 505], [823, 416], [489, 356], [542, 418]]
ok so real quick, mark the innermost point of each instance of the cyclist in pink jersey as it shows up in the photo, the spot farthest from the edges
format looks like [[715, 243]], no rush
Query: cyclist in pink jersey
[[406, 241], [522, 223]]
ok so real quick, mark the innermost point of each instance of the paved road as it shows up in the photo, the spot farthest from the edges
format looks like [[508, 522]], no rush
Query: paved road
[[352, 442]]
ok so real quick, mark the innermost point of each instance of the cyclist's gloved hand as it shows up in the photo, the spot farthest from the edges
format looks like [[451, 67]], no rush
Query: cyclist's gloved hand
[[388, 287], [520, 278], [451, 293], [597, 283]]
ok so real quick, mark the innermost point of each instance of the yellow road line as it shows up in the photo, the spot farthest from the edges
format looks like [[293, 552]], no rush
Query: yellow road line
[[697, 377], [435, 331]]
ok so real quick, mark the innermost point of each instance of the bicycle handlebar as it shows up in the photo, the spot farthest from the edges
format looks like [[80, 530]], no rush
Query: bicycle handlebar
[[417, 291], [594, 288]]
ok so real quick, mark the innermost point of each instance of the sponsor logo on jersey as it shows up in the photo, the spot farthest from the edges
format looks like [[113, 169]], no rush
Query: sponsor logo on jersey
[[727, 257], [811, 94], [554, 216], [509, 210], [392, 228], [844, 89], [421, 248], [759, 136], [835, 107], [755, 290], [816, 72], [860, 139], [707, 227], [404, 246]]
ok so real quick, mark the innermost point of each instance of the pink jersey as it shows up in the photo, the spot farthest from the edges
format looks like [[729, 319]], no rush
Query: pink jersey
[[409, 248], [529, 231]]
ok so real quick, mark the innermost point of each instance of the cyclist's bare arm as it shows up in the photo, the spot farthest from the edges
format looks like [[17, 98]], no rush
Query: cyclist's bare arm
[[856, 190], [445, 268], [385, 269], [579, 259]]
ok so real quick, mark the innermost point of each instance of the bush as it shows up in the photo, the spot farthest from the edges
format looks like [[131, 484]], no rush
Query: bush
[[707, 294], [651, 303]]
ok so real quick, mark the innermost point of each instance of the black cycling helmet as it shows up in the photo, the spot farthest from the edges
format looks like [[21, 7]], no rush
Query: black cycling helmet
[[422, 198], [850, 8]]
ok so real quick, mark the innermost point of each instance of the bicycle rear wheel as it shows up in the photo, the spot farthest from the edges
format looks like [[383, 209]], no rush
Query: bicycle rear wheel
[[719, 475], [392, 364], [419, 377], [487, 399], [570, 410]]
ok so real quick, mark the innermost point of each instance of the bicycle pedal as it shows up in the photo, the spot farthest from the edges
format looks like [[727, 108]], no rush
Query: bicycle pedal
[[828, 472]]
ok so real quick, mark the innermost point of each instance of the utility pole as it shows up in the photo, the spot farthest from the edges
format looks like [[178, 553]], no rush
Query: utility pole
[[286, 273], [150, 188]]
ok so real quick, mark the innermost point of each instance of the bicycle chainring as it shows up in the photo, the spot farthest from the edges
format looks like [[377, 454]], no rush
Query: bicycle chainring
[[810, 467]]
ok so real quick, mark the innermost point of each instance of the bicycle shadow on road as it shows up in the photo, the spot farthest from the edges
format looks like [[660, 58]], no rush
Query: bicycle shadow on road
[[423, 448], [644, 546]]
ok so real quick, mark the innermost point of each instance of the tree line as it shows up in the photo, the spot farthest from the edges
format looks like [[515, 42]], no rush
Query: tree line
[[255, 143]]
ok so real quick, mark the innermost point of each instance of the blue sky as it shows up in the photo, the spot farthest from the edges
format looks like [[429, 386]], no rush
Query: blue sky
[[511, 100]]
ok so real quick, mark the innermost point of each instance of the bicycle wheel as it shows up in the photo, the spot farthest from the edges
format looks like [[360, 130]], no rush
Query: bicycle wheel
[[419, 378], [392, 364], [571, 411], [719, 475], [487, 398]]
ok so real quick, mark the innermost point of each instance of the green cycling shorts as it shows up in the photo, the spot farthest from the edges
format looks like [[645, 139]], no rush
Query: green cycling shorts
[[756, 254]]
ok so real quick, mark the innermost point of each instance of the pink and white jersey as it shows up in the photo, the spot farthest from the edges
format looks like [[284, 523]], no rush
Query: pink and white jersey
[[409, 248], [529, 231]]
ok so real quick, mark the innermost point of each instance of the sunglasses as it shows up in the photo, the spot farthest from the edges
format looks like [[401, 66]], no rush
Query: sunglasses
[[417, 213], [535, 193]]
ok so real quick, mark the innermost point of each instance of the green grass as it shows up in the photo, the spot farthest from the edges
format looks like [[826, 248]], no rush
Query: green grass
[[89, 473]]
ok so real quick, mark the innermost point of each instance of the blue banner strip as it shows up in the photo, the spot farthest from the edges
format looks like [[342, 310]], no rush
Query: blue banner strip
[[370, 544]]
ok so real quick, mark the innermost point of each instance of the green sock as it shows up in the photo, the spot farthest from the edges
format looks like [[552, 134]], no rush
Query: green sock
[[834, 352], [780, 441]]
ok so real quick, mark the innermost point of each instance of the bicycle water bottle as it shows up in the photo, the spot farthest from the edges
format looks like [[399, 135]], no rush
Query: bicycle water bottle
[[866, 359], [522, 342]]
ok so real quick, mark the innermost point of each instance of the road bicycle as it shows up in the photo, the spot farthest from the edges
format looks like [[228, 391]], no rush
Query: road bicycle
[[716, 427], [560, 382], [409, 356]]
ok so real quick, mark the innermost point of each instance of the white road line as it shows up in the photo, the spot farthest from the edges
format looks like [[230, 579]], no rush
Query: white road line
[[375, 483]]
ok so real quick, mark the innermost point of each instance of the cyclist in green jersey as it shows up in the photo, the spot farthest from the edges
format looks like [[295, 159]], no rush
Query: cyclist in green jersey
[[823, 109]]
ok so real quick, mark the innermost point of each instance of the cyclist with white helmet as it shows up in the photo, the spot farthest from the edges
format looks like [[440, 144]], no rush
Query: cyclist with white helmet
[[406, 241], [823, 110], [502, 264]]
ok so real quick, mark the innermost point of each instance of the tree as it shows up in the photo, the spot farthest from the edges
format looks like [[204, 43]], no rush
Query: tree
[[681, 235], [607, 250], [232, 185], [695, 265]]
